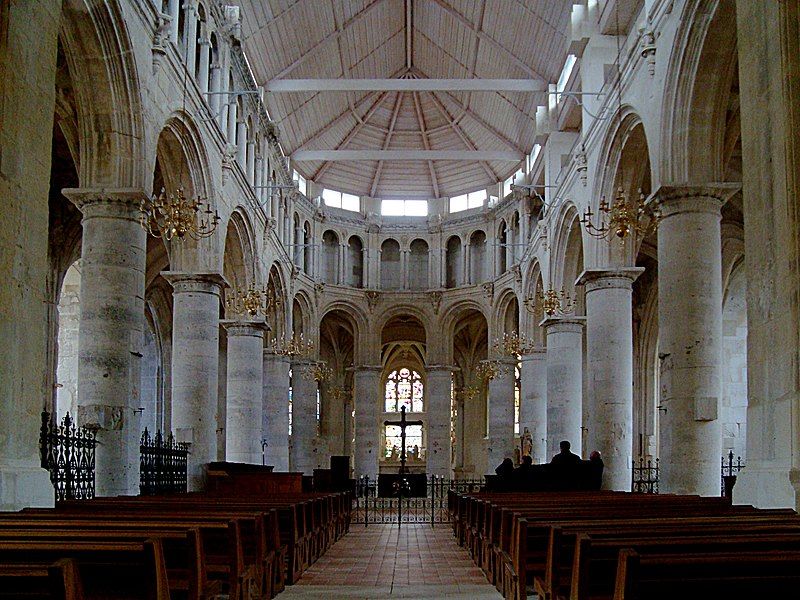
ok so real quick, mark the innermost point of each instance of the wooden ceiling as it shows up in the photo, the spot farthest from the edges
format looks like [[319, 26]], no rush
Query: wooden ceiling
[[410, 39]]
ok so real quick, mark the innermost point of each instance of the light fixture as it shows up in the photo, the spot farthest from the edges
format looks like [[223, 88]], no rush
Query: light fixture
[[622, 218], [551, 303], [489, 369], [511, 344], [172, 216], [320, 372], [295, 346], [250, 302]]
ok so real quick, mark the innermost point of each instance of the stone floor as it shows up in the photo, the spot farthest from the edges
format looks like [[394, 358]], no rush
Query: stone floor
[[381, 561]]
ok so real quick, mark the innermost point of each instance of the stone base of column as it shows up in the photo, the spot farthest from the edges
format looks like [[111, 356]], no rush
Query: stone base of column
[[768, 487], [23, 486]]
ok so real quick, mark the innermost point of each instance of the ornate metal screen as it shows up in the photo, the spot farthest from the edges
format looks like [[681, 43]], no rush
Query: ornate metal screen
[[67, 452], [644, 476], [162, 465], [369, 508]]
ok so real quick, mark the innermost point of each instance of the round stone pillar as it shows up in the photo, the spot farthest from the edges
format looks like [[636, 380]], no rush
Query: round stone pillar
[[438, 386], [275, 420], [609, 361], [690, 339], [564, 360], [304, 418], [113, 257], [366, 381], [243, 414], [533, 403], [500, 433], [195, 366]]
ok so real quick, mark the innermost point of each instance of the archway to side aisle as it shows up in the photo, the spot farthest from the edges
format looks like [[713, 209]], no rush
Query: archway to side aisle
[[383, 561]]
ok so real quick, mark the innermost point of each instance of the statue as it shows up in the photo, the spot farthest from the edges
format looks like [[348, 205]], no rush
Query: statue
[[526, 442], [395, 455]]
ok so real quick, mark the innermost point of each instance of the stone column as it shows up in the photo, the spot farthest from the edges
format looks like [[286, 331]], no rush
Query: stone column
[[232, 111], [366, 381], [243, 416], [437, 388], [241, 143], [304, 417], [690, 338], [609, 352], [204, 64], [404, 269], [501, 416], [215, 99], [251, 163], [195, 365], [190, 33], [113, 257], [564, 381], [533, 403], [173, 7], [275, 420]]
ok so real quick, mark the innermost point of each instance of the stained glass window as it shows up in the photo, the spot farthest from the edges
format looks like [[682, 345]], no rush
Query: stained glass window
[[413, 442], [404, 388]]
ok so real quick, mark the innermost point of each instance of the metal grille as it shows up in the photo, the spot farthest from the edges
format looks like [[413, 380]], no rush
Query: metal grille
[[67, 452], [731, 470], [368, 508], [644, 476], [162, 465]]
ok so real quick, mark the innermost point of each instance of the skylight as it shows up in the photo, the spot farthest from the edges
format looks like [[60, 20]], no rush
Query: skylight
[[404, 208], [467, 201], [341, 200]]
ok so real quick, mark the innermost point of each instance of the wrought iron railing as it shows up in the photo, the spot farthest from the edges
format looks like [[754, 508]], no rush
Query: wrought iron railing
[[162, 464], [369, 508], [67, 451], [728, 473], [644, 476]]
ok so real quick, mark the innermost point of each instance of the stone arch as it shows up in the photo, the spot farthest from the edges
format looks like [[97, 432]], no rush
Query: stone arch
[[502, 247], [453, 267], [702, 66], [418, 264], [506, 318], [391, 276], [101, 58], [529, 319], [330, 257], [477, 257], [355, 262], [566, 250], [277, 314], [237, 258], [302, 316]]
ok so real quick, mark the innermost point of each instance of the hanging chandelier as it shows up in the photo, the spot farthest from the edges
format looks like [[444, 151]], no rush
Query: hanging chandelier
[[172, 216], [294, 347], [621, 218], [511, 344], [489, 369], [320, 372], [250, 302], [551, 303]]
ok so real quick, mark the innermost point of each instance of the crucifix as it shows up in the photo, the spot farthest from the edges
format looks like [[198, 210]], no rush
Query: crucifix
[[402, 423]]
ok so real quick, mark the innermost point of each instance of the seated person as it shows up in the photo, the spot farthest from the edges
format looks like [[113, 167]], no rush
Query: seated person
[[595, 475], [522, 474], [565, 457]]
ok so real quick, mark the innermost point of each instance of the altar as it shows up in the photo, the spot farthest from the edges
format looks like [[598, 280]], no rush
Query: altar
[[388, 484]]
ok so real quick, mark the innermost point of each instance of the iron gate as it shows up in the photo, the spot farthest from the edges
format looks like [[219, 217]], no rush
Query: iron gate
[[369, 508]]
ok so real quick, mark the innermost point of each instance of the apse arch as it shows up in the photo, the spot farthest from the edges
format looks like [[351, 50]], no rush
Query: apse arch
[[110, 120], [692, 126]]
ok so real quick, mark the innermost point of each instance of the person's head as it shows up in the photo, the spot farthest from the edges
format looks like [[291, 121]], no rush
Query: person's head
[[527, 460], [565, 446], [507, 462], [595, 455]]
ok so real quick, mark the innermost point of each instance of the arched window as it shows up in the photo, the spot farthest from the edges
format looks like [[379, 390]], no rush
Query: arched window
[[403, 387]]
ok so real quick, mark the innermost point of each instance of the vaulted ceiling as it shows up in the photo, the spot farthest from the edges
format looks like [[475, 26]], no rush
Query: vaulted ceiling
[[406, 39]]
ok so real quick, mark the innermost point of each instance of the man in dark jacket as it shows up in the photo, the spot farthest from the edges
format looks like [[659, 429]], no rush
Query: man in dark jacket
[[565, 457]]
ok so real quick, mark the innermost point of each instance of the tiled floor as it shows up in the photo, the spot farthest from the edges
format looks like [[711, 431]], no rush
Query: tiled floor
[[381, 561]]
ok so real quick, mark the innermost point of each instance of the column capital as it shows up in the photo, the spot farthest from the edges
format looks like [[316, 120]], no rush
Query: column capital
[[184, 281], [688, 198], [441, 368], [367, 369], [571, 324], [612, 278], [270, 354], [122, 203], [535, 353], [245, 327]]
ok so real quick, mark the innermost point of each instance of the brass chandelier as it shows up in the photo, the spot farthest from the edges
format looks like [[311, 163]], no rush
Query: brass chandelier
[[511, 344], [551, 303], [320, 372], [294, 347], [173, 216], [250, 302], [621, 218], [489, 369]]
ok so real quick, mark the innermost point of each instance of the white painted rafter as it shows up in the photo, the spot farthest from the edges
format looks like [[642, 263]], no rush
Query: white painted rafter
[[425, 142], [282, 86], [380, 155], [386, 140]]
